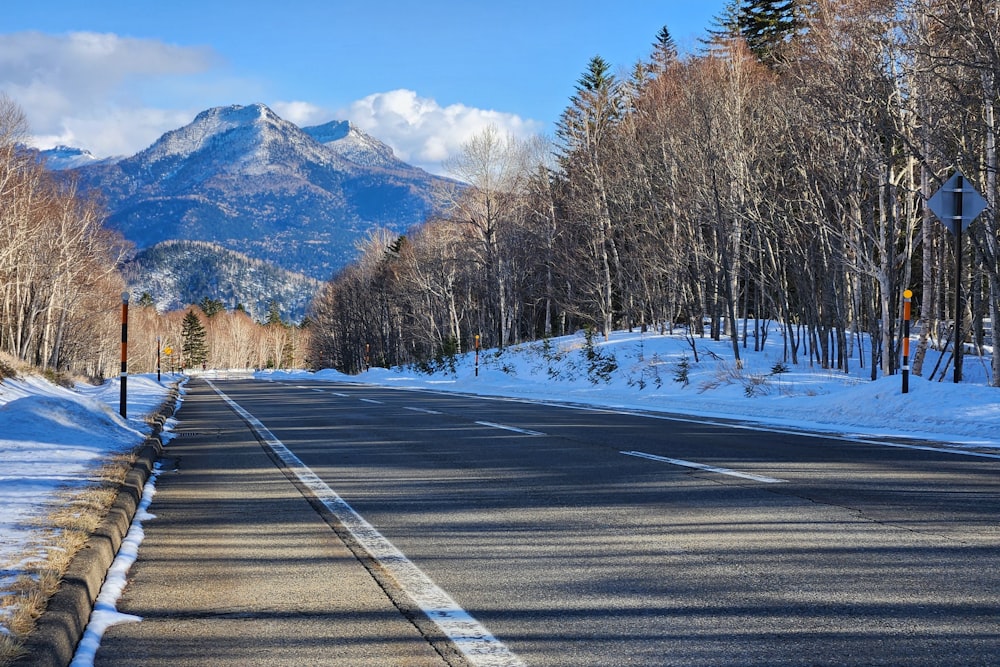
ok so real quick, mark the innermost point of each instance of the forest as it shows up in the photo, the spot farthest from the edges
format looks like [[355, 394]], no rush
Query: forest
[[778, 174]]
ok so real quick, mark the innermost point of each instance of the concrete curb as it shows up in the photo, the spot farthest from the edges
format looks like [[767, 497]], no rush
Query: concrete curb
[[60, 628]]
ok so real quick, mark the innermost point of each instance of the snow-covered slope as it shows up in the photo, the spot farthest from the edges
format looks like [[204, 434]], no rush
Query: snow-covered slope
[[68, 157], [350, 143]]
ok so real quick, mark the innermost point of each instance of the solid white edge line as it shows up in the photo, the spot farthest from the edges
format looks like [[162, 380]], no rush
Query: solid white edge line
[[707, 468], [522, 431], [471, 638]]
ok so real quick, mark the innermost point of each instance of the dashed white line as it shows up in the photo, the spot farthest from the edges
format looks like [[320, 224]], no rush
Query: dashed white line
[[522, 431], [372, 400], [423, 410], [707, 468], [477, 643]]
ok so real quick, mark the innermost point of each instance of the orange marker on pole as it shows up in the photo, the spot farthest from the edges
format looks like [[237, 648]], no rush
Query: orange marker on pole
[[907, 295]]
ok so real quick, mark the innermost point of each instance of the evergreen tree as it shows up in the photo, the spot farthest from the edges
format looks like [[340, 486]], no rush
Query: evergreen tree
[[664, 49], [766, 25], [274, 314], [211, 306], [193, 336], [597, 78], [726, 26]]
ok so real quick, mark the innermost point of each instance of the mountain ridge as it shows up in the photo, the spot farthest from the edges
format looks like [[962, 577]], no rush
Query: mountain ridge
[[250, 181]]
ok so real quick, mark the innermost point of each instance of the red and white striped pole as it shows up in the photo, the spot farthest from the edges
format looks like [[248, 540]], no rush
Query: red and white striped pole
[[123, 376]]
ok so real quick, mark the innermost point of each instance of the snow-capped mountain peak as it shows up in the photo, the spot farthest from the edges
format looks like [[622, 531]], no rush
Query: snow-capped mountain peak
[[348, 141], [69, 157], [248, 139]]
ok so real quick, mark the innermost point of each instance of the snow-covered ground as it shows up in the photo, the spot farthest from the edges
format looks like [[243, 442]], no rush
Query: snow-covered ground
[[51, 437], [650, 376]]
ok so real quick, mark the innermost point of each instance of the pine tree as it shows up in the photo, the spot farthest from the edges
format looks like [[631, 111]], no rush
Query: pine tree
[[597, 78], [664, 49], [766, 25], [193, 336], [274, 314], [727, 26], [211, 306]]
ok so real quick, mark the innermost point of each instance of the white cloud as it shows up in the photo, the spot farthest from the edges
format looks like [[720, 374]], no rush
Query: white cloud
[[88, 88], [424, 133], [302, 114], [117, 95]]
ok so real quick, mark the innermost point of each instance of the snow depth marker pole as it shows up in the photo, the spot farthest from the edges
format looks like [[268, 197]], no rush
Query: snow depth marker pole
[[907, 295], [477, 355], [123, 377]]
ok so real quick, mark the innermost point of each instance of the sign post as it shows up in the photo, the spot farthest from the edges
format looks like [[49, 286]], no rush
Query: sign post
[[957, 204]]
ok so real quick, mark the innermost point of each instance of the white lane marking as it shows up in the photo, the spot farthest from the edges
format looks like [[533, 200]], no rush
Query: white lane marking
[[372, 400], [478, 645], [822, 432], [337, 393], [702, 466], [423, 410], [522, 431]]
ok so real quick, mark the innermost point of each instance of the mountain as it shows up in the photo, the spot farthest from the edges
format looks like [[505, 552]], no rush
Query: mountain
[[247, 180], [68, 157], [350, 143], [179, 273]]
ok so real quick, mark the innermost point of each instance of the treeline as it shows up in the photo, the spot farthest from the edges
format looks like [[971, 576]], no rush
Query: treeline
[[58, 279], [207, 335], [780, 174], [61, 286]]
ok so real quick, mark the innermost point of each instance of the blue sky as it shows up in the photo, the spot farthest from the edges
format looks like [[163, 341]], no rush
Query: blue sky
[[113, 75]]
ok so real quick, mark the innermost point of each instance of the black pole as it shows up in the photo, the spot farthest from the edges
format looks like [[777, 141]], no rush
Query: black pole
[[124, 370], [157, 358]]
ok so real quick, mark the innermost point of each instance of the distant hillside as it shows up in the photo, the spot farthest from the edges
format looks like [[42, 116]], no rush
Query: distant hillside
[[180, 273], [247, 180]]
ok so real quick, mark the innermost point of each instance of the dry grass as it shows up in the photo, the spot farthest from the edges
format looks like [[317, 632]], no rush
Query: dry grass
[[61, 535]]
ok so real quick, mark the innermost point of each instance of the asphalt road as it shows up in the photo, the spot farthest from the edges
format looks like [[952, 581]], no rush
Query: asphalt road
[[588, 537]]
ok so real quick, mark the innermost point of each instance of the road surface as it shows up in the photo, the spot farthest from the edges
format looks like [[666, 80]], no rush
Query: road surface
[[573, 536]]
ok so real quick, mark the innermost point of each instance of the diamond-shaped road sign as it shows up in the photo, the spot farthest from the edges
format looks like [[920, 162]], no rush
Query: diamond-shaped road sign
[[957, 203]]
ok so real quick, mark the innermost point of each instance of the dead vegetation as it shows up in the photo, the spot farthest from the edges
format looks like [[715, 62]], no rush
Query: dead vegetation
[[61, 534]]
